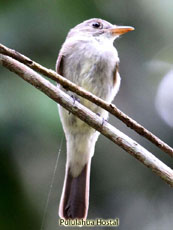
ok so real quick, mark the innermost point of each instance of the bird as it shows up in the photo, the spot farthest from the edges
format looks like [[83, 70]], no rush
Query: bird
[[89, 59]]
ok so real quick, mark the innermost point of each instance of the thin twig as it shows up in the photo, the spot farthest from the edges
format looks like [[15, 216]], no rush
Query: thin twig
[[83, 93], [129, 145]]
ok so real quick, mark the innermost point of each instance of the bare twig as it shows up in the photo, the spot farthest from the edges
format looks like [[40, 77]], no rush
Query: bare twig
[[80, 91], [129, 145]]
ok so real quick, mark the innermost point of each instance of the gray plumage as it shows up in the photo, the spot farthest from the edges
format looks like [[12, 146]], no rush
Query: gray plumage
[[89, 59]]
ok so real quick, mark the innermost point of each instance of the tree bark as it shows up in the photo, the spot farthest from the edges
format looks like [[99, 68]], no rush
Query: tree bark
[[129, 145]]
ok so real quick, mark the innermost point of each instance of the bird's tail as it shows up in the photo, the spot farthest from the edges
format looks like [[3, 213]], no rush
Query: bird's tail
[[75, 196]]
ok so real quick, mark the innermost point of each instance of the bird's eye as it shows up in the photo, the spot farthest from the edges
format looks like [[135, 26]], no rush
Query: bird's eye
[[96, 25]]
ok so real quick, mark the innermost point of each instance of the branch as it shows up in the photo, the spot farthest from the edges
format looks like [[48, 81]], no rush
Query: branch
[[83, 93], [129, 145]]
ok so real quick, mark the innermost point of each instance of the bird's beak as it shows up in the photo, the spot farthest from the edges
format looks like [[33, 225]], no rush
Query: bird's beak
[[118, 30]]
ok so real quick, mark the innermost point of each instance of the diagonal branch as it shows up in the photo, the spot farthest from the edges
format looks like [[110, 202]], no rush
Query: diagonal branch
[[129, 145], [80, 91]]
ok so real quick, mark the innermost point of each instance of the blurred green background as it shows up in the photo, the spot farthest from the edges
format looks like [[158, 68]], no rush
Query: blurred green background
[[30, 129]]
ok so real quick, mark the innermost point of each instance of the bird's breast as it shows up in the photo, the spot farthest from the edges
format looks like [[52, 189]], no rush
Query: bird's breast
[[91, 65]]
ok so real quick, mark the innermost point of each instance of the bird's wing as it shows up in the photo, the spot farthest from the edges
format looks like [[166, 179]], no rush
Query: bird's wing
[[59, 64], [115, 74]]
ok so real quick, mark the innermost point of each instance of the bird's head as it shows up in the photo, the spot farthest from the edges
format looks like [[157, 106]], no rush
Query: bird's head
[[99, 29]]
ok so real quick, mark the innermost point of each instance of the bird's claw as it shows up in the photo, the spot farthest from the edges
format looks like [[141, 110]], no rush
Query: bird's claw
[[75, 98], [103, 120]]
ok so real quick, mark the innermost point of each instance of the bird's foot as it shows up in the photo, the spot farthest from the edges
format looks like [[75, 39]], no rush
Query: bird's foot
[[75, 98], [103, 120]]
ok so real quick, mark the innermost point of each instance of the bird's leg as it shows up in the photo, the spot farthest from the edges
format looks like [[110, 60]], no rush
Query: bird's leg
[[75, 98], [103, 120]]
